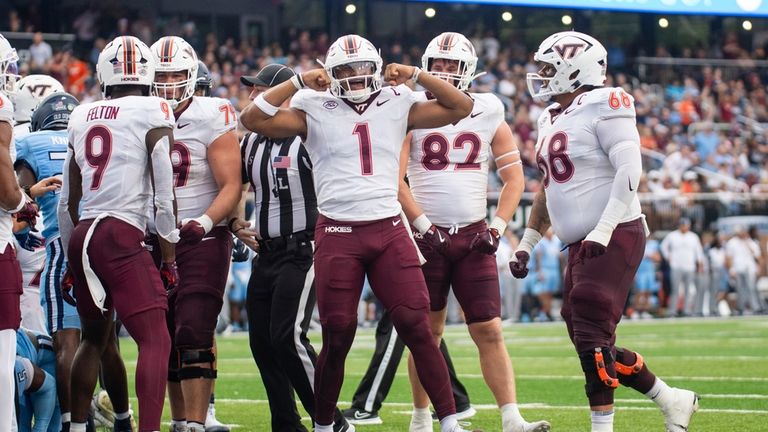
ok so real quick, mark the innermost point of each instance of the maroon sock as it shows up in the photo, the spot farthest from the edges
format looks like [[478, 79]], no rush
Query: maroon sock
[[148, 330], [413, 328], [329, 370], [642, 381]]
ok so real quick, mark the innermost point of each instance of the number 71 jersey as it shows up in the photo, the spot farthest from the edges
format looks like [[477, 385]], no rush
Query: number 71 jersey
[[108, 138], [577, 173]]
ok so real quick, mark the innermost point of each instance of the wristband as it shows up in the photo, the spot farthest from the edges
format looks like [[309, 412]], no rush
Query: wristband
[[415, 76], [297, 82], [422, 224], [498, 224], [229, 224], [265, 107], [204, 221], [20, 205], [529, 240]]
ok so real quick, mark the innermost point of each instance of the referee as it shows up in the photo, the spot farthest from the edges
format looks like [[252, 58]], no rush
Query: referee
[[281, 294]]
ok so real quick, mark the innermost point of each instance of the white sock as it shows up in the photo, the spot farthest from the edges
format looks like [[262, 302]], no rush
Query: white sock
[[122, 416], [448, 423], [181, 423], [602, 421], [510, 414], [660, 392], [193, 426], [66, 417], [77, 427], [422, 413], [320, 428]]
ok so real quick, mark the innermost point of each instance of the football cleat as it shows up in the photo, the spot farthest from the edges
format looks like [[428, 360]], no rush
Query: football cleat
[[420, 424], [677, 415], [103, 413], [177, 428], [212, 424], [362, 417], [460, 415], [538, 426], [344, 427]]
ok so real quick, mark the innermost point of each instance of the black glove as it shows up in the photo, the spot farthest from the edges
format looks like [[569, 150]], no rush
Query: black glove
[[240, 252], [519, 267], [29, 241]]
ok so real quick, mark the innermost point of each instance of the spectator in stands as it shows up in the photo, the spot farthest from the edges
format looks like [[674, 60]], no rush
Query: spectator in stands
[[742, 257], [40, 52], [706, 140], [682, 249]]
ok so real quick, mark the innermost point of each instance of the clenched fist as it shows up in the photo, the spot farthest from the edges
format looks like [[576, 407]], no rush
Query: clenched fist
[[397, 74], [316, 79]]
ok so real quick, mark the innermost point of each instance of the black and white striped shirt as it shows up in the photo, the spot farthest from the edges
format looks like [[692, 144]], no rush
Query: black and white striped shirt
[[281, 175]]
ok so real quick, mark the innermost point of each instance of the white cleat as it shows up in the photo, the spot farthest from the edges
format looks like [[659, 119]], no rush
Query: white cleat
[[458, 428], [538, 426], [420, 424], [212, 424], [677, 415]]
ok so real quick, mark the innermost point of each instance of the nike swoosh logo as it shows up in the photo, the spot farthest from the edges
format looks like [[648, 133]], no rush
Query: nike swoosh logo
[[182, 126], [568, 111], [630, 184], [380, 103], [360, 416], [395, 222], [440, 236], [473, 115]]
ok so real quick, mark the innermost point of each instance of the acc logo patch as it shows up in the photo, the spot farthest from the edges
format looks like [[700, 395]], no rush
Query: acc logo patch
[[330, 104]]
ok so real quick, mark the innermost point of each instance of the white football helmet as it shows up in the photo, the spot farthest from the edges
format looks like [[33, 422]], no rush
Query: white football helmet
[[30, 91], [9, 67], [125, 61], [353, 60], [572, 59], [452, 46], [174, 54]]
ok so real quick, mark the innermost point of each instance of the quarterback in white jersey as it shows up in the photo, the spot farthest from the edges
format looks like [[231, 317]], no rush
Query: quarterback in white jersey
[[448, 175], [588, 152], [206, 168], [353, 130], [119, 156]]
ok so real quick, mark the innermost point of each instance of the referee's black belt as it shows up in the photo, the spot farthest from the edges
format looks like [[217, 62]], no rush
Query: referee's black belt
[[287, 243]]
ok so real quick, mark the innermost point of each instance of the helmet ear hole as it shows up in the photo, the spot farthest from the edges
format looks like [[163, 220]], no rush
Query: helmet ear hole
[[574, 74]]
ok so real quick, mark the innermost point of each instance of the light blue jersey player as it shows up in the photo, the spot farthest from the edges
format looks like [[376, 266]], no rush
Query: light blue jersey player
[[36, 383], [645, 278], [40, 155]]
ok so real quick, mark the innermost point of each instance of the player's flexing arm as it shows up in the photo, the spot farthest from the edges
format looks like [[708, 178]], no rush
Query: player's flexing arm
[[538, 223], [509, 168]]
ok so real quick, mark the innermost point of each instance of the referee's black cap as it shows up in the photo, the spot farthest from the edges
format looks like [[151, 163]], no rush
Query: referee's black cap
[[269, 76]]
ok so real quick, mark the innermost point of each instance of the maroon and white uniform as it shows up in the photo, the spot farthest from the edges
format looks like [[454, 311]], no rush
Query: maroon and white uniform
[[108, 143], [10, 282], [574, 152], [355, 151], [448, 176], [203, 267]]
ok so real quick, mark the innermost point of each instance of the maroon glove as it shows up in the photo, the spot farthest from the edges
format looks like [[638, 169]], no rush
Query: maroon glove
[[28, 214], [519, 268], [486, 242], [169, 273], [192, 232], [67, 282], [436, 240], [590, 249]]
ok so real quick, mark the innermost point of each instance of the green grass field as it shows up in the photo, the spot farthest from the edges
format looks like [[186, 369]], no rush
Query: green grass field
[[724, 360]]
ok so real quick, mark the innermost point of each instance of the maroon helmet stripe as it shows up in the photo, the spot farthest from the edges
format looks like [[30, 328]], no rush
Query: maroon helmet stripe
[[132, 57], [167, 50], [125, 55], [351, 47]]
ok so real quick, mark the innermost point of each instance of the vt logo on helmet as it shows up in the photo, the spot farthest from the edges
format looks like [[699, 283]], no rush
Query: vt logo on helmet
[[354, 66], [125, 61], [460, 55], [569, 61], [9, 68], [30, 91], [176, 72]]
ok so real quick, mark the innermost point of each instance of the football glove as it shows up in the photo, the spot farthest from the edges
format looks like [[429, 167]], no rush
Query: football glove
[[240, 252], [486, 242], [169, 273], [193, 230], [519, 264], [436, 240], [67, 283], [28, 214], [29, 241]]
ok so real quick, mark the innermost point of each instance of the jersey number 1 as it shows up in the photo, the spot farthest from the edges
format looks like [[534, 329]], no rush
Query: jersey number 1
[[366, 152]]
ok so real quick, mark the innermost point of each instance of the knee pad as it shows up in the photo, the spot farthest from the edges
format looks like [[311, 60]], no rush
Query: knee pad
[[625, 365], [598, 366], [188, 360], [192, 338]]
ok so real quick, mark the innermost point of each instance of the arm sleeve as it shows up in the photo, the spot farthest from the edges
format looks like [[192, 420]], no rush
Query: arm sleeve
[[66, 226], [44, 402], [619, 139], [165, 219]]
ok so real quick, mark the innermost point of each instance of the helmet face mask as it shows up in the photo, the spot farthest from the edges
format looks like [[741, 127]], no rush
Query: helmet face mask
[[176, 73], [570, 61], [451, 57], [9, 67], [354, 67]]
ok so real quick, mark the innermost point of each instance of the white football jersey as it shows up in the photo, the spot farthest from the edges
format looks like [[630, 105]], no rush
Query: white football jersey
[[355, 151], [203, 121], [448, 167], [109, 140], [577, 173], [6, 222]]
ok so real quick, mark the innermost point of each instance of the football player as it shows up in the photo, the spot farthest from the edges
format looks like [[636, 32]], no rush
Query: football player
[[118, 154], [204, 83], [30, 247], [36, 382], [206, 168], [353, 129], [448, 173], [12, 202], [588, 152]]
